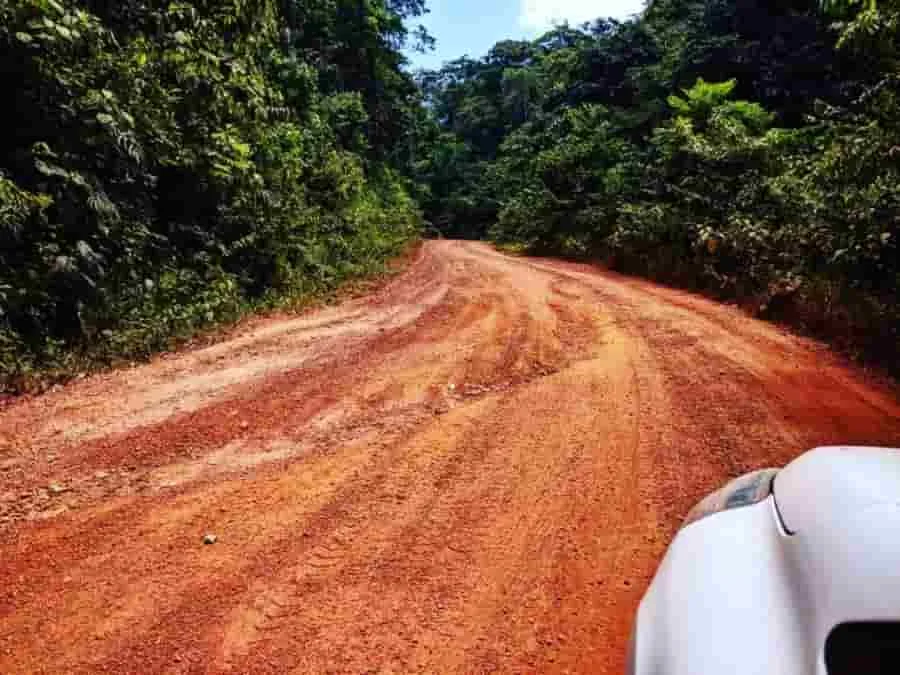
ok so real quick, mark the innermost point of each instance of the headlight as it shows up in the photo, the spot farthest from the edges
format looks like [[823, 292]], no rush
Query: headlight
[[744, 491]]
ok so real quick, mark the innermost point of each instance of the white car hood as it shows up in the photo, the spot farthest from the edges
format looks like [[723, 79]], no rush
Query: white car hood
[[758, 589], [842, 508]]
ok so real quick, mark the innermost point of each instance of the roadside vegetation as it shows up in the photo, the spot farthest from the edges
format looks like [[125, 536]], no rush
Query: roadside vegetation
[[747, 149], [170, 166], [167, 166]]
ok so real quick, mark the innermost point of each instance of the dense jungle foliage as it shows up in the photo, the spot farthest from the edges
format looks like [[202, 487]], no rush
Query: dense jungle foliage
[[169, 165], [749, 148]]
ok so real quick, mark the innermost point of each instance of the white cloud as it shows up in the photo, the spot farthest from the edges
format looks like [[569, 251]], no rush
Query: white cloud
[[541, 14]]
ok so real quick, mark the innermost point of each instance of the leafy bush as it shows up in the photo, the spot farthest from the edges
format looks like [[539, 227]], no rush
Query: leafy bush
[[742, 148], [176, 164]]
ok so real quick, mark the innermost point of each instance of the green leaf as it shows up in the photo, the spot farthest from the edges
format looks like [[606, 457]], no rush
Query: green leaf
[[50, 169], [105, 118], [24, 37], [242, 149]]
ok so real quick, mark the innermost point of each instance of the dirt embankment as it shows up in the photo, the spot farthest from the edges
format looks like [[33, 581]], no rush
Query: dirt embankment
[[476, 469]]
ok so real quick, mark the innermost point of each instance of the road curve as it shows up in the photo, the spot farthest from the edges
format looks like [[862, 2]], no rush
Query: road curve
[[475, 469]]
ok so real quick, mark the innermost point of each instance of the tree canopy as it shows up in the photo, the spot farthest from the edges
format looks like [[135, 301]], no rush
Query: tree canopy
[[745, 147], [172, 164]]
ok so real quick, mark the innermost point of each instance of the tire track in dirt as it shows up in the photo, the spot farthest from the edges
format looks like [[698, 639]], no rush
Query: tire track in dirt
[[476, 469]]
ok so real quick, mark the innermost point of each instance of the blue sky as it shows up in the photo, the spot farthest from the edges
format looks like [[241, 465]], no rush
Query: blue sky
[[473, 26]]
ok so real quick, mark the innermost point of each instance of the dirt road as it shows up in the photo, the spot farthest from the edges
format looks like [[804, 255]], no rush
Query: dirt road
[[476, 469]]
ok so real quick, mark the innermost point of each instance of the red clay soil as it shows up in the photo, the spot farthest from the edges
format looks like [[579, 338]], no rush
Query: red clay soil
[[475, 469]]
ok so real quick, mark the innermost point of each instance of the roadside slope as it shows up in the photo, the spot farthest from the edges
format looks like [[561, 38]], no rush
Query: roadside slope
[[477, 468]]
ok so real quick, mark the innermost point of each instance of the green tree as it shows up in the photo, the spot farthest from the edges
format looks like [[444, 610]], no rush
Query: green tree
[[175, 164]]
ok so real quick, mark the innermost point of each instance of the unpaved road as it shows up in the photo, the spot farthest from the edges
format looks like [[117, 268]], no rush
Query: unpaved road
[[476, 469]]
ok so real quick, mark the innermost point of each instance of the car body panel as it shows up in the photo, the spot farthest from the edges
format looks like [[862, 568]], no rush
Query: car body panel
[[758, 589], [842, 506], [721, 600]]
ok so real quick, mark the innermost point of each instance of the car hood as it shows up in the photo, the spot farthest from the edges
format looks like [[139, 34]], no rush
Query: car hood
[[830, 487], [841, 509]]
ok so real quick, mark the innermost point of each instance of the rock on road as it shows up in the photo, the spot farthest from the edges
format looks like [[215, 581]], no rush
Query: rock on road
[[475, 469]]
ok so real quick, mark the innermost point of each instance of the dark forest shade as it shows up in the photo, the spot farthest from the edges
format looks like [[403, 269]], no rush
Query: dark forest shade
[[167, 166]]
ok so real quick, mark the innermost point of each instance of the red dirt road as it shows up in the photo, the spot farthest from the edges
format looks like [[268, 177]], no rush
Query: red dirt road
[[476, 469]]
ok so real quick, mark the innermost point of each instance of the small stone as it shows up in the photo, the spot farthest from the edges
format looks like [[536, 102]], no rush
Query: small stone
[[209, 539], [101, 474], [245, 424], [57, 489]]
